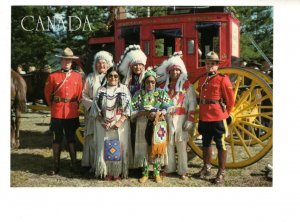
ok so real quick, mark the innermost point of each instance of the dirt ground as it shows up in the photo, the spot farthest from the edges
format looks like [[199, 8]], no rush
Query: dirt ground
[[32, 162]]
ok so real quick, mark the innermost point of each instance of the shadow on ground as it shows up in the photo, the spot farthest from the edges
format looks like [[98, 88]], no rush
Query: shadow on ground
[[40, 165]]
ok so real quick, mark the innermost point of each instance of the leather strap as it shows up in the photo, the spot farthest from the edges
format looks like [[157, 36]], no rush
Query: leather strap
[[58, 99], [209, 101]]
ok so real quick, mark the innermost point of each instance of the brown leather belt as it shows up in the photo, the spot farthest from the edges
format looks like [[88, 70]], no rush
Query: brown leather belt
[[58, 99], [209, 101]]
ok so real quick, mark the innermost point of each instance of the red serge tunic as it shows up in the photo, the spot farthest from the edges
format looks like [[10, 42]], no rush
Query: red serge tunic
[[70, 89], [216, 87]]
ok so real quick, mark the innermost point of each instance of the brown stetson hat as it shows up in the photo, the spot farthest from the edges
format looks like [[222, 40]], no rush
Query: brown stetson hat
[[67, 54], [212, 56]]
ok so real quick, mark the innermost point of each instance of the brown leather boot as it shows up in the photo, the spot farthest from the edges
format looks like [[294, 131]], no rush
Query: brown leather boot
[[205, 171], [56, 158], [72, 152], [220, 178]]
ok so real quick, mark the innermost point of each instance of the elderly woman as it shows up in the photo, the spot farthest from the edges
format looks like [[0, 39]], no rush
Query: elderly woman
[[184, 97], [146, 103], [102, 61], [111, 109]]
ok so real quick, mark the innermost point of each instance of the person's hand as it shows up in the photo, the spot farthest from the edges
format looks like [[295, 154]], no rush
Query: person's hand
[[117, 125], [99, 118], [151, 116], [188, 125], [106, 125]]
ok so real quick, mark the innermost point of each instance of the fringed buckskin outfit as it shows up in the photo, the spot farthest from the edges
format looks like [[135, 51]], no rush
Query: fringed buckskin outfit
[[93, 81], [182, 120], [111, 103]]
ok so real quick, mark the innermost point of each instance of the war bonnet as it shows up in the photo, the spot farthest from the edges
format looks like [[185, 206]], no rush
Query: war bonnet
[[132, 55], [163, 71]]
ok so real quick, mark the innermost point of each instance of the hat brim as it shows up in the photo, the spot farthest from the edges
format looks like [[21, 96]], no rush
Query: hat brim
[[67, 57]]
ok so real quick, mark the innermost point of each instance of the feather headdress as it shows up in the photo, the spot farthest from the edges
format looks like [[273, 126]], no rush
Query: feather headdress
[[132, 55], [163, 70]]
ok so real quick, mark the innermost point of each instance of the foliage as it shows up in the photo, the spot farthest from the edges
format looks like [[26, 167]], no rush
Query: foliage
[[138, 11], [29, 47], [256, 22], [38, 47]]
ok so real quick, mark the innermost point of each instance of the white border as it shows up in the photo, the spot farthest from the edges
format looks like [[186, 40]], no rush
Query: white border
[[280, 203]]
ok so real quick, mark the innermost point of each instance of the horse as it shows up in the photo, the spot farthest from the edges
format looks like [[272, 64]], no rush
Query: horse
[[17, 106], [35, 85]]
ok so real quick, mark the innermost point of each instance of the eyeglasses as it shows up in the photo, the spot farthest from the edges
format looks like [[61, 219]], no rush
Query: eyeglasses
[[113, 76], [148, 82]]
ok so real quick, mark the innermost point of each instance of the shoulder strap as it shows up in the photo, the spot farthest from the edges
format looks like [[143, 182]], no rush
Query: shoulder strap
[[61, 84]]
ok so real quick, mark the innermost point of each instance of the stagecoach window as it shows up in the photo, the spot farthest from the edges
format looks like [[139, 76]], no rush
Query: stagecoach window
[[161, 33], [191, 46], [208, 38], [203, 25], [167, 41], [131, 35], [129, 31]]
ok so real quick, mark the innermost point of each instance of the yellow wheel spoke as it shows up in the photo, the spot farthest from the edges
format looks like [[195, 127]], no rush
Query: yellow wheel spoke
[[265, 115], [256, 126], [242, 140], [244, 97], [253, 136], [237, 84], [252, 104], [232, 146]]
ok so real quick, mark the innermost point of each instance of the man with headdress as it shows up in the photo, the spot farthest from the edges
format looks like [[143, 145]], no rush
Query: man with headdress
[[148, 104], [63, 92], [103, 60], [182, 116], [132, 67], [216, 102]]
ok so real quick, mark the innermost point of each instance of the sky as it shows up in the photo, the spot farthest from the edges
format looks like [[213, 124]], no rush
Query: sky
[[280, 202]]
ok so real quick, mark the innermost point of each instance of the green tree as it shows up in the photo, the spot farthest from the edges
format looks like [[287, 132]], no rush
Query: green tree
[[256, 22], [29, 47], [38, 47], [142, 11]]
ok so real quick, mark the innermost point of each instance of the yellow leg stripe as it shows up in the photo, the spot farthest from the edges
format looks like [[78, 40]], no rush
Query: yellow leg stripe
[[226, 127], [224, 135], [223, 142]]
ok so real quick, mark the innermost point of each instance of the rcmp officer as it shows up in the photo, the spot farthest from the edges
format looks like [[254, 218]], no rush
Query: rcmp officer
[[216, 103], [62, 92]]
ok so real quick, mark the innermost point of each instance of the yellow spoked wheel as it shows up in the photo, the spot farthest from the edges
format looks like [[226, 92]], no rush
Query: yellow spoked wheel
[[265, 77], [250, 130]]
